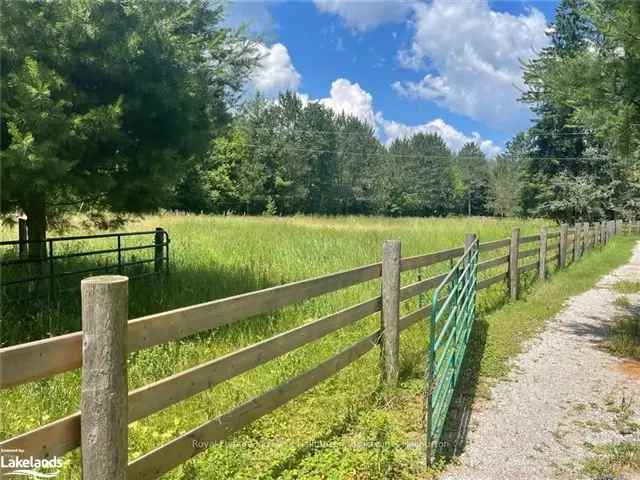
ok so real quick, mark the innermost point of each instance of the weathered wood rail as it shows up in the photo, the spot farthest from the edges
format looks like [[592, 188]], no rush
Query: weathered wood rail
[[42, 359]]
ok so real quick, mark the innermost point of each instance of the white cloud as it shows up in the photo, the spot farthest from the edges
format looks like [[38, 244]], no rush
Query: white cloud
[[477, 55], [351, 99], [364, 15], [275, 72], [454, 139]]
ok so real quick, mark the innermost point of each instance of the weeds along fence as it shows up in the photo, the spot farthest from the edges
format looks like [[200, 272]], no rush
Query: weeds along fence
[[57, 267], [100, 349]]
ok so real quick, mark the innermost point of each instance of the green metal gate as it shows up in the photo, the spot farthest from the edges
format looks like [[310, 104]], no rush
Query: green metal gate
[[452, 317]]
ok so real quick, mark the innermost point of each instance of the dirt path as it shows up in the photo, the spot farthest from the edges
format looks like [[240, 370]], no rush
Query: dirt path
[[563, 393]]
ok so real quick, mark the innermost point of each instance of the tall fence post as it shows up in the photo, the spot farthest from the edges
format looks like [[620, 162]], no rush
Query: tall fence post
[[103, 396], [587, 236], [23, 238], [469, 238], [159, 250], [391, 310], [513, 263], [542, 265], [562, 254]]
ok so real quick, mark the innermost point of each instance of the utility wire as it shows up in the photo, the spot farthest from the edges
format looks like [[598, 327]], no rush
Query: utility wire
[[340, 134], [404, 155]]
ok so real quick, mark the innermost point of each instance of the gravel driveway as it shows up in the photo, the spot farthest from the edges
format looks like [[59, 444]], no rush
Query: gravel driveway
[[563, 394]]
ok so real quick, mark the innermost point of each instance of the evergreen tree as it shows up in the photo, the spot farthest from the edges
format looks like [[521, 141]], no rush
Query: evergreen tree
[[106, 103], [474, 171]]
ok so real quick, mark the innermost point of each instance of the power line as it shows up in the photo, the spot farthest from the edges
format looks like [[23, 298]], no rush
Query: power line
[[404, 155], [338, 133]]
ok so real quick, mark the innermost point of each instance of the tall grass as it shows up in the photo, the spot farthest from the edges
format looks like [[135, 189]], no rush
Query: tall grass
[[214, 257]]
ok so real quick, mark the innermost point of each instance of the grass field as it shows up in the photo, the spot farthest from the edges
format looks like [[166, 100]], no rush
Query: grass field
[[347, 427]]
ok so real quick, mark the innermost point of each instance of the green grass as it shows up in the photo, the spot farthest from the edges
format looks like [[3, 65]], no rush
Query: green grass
[[347, 427], [613, 461], [627, 286], [624, 336]]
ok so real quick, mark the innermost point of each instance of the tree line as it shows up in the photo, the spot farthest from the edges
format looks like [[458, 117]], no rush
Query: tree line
[[289, 156], [132, 106]]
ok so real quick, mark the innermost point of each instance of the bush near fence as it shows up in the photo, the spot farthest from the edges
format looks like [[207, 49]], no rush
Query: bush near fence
[[102, 434]]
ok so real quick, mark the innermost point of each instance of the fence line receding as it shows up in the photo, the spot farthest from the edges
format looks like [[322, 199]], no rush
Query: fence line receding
[[42, 359]]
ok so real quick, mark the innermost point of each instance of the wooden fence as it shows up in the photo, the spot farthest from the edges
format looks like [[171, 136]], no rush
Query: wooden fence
[[100, 427]]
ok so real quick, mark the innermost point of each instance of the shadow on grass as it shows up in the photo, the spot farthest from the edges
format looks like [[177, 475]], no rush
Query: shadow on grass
[[308, 449], [32, 319], [457, 423], [468, 389]]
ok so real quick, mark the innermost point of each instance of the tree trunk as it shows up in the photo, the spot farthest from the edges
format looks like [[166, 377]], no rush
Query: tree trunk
[[37, 230]]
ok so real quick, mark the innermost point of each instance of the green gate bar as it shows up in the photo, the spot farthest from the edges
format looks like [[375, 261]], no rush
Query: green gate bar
[[452, 317]]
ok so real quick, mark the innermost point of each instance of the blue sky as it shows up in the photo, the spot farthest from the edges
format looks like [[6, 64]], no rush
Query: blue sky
[[445, 66]]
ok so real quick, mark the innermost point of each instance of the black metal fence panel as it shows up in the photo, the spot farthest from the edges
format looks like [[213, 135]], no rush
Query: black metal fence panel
[[25, 277]]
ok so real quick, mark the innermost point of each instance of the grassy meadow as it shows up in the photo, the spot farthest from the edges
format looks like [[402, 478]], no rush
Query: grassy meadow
[[346, 427]]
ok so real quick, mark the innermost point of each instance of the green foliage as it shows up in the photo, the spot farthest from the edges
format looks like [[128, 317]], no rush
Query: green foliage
[[474, 172], [614, 460], [624, 335], [105, 103], [503, 194], [287, 157], [571, 199], [627, 286], [584, 89], [417, 177]]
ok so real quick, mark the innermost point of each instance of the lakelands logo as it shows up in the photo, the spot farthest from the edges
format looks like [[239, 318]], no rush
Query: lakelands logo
[[13, 464]]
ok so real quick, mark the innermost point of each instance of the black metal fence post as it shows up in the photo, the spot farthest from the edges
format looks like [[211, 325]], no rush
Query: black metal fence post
[[119, 254], [23, 238], [159, 250]]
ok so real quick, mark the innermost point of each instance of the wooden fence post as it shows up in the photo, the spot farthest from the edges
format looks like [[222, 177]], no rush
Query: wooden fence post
[[562, 255], [391, 310], [469, 238], [587, 236], [513, 263], [580, 227], [599, 230], [542, 265], [23, 237], [103, 396], [159, 250]]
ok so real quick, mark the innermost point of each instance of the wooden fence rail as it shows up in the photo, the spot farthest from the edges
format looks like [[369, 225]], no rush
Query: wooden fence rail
[[42, 359]]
